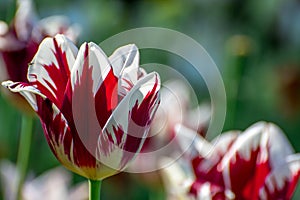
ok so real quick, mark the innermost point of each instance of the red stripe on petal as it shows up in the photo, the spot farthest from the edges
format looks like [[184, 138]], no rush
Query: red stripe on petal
[[58, 74], [66, 107], [140, 117], [62, 139], [207, 168], [106, 98], [205, 171], [61, 58], [141, 114], [286, 192], [257, 180], [129, 85], [282, 181], [127, 127], [84, 114], [132, 147], [253, 173]]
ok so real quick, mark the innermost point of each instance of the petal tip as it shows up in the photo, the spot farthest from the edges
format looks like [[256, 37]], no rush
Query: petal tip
[[6, 83]]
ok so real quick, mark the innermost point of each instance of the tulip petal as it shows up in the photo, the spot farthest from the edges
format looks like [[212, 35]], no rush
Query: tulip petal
[[94, 97], [253, 151], [242, 158], [278, 145], [125, 63], [48, 113], [65, 143], [127, 128], [282, 181], [26, 90], [68, 146], [50, 69], [63, 140], [94, 89], [258, 155], [224, 141], [206, 166], [125, 56]]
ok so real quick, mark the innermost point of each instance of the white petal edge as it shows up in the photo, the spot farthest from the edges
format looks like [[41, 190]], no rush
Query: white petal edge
[[28, 92], [97, 59], [125, 56], [45, 56]]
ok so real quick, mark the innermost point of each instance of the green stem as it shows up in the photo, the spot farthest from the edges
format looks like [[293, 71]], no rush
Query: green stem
[[24, 151], [94, 189]]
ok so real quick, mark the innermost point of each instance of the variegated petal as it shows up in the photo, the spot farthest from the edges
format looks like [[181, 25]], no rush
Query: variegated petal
[[210, 164], [125, 63], [62, 138], [252, 156], [29, 92], [127, 128], [50, 69], [282, 181], [94, 89]]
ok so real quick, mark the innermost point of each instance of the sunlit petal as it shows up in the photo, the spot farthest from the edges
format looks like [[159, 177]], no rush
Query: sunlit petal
[[50, 69], [123, 136]]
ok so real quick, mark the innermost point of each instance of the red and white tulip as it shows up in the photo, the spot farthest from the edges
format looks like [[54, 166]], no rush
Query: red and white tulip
[[95, 111], [258, 163], [19, 41]]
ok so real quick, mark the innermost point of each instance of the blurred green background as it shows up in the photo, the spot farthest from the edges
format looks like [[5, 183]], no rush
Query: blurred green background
[[255, 44]]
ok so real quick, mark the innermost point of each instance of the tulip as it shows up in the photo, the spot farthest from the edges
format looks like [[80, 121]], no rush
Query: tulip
[[19, 42], [258, 163], [95, 111]]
